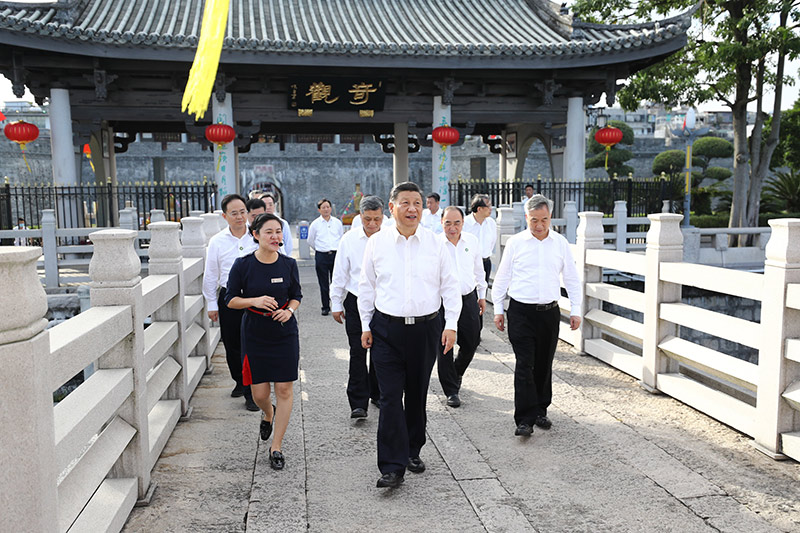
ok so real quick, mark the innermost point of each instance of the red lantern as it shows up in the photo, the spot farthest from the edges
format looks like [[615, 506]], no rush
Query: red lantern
[[445, 135], [608, 137], [220, 134], [22, 133]]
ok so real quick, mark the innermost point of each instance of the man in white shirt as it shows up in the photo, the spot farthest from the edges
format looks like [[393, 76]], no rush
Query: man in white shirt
[[528, 192], [529, 274], [362, 384], [406, 275], [324, 235], [481, 224], [255, 207], [464, 249], [223, 249], [20, 241], [269, 208], [432, 217]]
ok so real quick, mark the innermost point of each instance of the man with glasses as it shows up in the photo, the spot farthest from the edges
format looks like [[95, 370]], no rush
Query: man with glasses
[[481, 224]]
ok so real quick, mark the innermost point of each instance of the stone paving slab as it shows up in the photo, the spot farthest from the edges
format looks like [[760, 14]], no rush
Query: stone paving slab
[[616, 459]]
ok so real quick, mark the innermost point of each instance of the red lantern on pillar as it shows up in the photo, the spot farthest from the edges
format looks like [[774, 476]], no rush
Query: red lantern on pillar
[[22, 133], [220, 134], [608, 137], [446, 135]]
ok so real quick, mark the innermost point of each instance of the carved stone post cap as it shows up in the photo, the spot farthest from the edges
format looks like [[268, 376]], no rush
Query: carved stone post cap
[[591, 225], [783, 247], [114, 261], [23, 316], [505, 216], [165, 242], [193, 234], [665, 230], [210, 225]]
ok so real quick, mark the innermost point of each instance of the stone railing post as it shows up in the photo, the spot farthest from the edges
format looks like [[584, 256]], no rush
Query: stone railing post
[[665, 206], [114, 270], [49, 244], [691, 244], [28, 476], [571, 215], [589, 236], [506, 225], [210, 226], [519, 215], [196, 213], [621, 222], [157, 215], [166, 258], [779, 323], [126, 219], [664, 244], [193, 241], [221, 220]]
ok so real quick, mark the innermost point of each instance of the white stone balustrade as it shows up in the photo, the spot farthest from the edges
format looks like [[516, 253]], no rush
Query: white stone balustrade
[[210, 225]]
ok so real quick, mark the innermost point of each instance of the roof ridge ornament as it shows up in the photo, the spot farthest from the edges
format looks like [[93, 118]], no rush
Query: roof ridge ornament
[[66, 11]]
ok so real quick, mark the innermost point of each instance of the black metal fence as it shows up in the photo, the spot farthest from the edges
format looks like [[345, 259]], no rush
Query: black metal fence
[[98, 206], [643, 196]]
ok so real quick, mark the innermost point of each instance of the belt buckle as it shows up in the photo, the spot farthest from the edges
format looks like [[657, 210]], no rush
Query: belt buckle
[[409, 320]]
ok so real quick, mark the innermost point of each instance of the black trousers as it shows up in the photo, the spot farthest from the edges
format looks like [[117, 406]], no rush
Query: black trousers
[[404, 357], [323, 261], [487, 267], [468, 337], [534, 336], [230, 325], [362, 383]]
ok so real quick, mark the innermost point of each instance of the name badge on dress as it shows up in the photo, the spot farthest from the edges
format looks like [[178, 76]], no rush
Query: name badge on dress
[[276, 280]]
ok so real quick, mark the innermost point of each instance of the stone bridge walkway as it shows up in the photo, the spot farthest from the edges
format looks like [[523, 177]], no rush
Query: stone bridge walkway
[[616, 459]]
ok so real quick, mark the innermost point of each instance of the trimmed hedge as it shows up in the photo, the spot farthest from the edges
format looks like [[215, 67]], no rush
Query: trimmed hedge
[[720, 220]]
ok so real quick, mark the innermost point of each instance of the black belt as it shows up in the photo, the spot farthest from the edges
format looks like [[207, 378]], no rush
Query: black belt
[[408, 320], [539, 307], [332, 252], [470, 293]]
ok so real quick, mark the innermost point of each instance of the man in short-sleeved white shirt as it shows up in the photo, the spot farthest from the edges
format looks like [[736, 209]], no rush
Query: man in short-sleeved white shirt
[[324, 234], [481, 224], [432, 216]]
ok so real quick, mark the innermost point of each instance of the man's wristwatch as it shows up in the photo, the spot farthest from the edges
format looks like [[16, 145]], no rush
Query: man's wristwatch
[[290, 309]]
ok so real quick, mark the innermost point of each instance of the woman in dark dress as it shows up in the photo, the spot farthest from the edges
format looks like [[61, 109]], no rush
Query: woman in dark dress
[[267, 285]]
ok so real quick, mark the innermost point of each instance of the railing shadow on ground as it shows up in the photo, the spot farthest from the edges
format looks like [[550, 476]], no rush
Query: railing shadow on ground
[[83, 463]]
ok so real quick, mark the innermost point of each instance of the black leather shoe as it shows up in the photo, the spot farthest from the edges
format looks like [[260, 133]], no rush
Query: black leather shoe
[[326, 312], [453, 401], [276, 460], [416, 465], [543, 422], [238, 391], [358, 412], [250, 405], [266, 427], [376, 402], [524, 430], [391, 480]]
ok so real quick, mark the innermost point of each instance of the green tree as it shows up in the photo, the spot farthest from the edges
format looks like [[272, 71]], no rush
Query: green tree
[[617, 156], [788, 152], [736, 52]]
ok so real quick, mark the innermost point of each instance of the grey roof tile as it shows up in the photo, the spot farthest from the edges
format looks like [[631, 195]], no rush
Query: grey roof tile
[[331, 27]]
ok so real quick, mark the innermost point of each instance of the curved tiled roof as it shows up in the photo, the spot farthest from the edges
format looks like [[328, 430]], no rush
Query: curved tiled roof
[[339, 27]]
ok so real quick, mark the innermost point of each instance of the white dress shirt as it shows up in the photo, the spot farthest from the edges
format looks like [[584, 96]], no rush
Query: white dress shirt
[[223, 249], [432, 221], [408, 277], [529, 272], [347, 267], [469, 265], [324, 235], [288, 246], [486, 232]]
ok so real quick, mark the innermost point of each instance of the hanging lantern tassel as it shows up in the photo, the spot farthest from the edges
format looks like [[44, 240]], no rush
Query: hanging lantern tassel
[[608, 137], [22, 133], [87, 151], [206, 60], [445, 136]]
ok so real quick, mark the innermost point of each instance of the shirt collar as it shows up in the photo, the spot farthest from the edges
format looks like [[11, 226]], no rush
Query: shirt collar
[[398, 236], [528, 235]]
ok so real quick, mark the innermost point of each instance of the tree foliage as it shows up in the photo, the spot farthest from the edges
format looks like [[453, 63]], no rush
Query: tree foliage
[[735, 53], [787, 154]]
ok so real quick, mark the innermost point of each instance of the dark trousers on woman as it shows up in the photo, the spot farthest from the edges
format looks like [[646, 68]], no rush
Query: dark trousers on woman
[[323, 261], [362, 383], [533, 335], [404, 356], [468, 337], [230, 325]]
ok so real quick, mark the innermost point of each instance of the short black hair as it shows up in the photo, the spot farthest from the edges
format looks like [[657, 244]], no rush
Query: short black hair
[[528, 185], [20, 219], [452, 208], [406, 186], [267, 195], [259, 222], [229, 198], [478, 201], [319, 204], [435, 196], [255, 203]]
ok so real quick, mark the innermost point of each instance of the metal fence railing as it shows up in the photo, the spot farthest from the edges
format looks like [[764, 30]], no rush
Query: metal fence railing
[[89, 206], [643, 195]]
